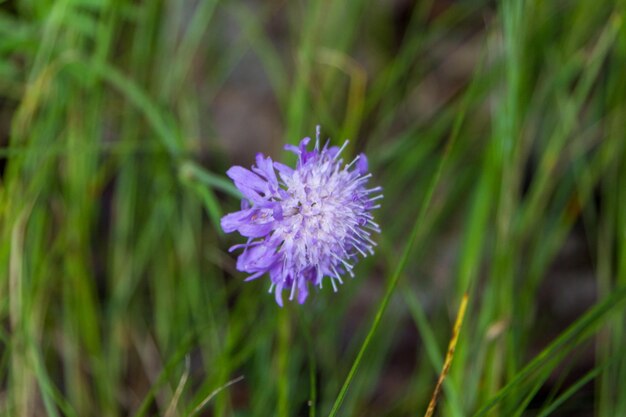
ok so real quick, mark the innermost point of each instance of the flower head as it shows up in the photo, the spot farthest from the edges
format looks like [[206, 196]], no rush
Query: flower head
[[303, 224]]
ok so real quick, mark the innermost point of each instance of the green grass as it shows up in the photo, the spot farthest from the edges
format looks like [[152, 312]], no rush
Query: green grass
[[496, 130]]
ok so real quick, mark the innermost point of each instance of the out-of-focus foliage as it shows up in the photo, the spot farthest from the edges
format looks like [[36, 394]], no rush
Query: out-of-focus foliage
[[118, 119]]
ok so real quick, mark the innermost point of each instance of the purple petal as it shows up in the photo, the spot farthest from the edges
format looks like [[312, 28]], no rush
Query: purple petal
[[277, 211], [361, 164], [303, 291], [250, 184], [265, 168], [299, 150], [332, 151], [256, 230], [303, 143], [245, 176], [234, 221], [258, 258], [284, 171]]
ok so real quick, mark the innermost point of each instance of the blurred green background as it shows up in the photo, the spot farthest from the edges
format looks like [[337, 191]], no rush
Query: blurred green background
[[497, 130]]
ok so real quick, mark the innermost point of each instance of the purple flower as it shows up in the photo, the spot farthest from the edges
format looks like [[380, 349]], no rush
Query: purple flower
[[306, 223]]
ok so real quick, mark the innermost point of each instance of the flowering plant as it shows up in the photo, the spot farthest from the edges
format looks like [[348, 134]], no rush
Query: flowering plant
[[306, 223]]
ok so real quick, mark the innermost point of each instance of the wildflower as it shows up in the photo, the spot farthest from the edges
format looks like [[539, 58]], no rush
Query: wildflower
[[306, 223]]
